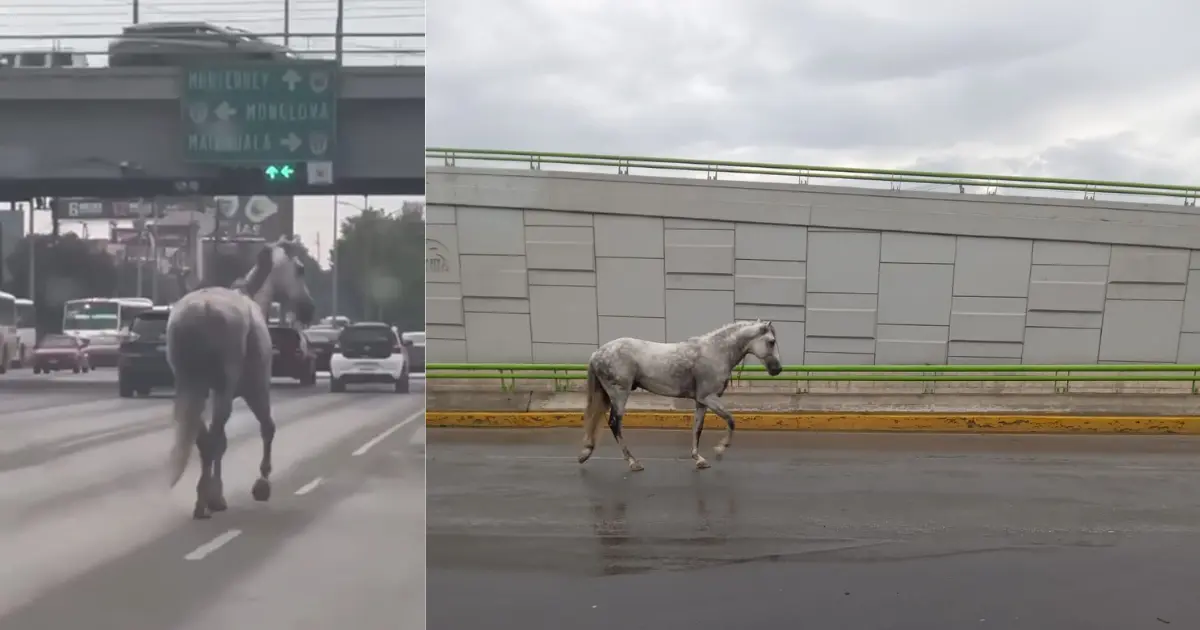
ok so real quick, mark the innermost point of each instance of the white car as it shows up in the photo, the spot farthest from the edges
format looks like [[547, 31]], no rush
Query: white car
[[368, 352]]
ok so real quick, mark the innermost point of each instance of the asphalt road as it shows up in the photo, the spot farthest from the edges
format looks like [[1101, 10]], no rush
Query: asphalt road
[[829, 531], [91, 537]]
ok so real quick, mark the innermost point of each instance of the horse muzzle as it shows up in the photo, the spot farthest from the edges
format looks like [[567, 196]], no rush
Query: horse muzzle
[[774, 367]]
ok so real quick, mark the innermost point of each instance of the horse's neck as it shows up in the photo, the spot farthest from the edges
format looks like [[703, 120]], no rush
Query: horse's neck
[[737, 346]]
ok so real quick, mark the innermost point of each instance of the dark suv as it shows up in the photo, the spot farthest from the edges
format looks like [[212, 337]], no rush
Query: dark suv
[[142, 357], [176, 43], [291, 355]]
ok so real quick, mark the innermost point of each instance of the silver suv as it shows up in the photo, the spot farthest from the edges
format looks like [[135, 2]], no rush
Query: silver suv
[[173, 43]]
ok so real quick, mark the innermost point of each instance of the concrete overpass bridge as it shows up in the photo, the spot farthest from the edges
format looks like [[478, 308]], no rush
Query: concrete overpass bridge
[[132, 132]]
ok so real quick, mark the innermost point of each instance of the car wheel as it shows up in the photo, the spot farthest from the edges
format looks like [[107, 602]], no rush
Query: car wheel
[[75, 370], [37, 370], [402, 384], [336, 385], [4, 363], [124, 389]]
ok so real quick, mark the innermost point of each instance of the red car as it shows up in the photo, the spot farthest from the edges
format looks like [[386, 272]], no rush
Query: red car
[[291, 356], [60, 352]]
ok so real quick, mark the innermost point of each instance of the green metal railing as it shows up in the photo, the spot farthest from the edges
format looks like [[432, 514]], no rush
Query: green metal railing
[[563, 373], [803, 172]]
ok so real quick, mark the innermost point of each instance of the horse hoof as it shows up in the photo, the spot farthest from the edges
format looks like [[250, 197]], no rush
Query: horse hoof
[[201, 513], [217, 504], [636, 466], [718, 452], [261, 490], [701, 464], [584, 455]]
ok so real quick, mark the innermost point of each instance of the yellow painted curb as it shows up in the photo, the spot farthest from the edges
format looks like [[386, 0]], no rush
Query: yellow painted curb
[[937, 422]]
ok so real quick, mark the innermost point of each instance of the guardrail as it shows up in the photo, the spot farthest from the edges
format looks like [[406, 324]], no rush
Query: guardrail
[[562, 373], [399, 48], [802, 173]]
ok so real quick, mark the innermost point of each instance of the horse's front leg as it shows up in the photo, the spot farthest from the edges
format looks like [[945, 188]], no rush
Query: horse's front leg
[[714, 402], [259, 402], [697, 429]]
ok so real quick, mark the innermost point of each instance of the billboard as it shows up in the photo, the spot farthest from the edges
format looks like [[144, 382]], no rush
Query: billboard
[[251, 217]]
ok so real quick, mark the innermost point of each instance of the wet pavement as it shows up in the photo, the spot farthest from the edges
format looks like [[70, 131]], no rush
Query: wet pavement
[[92, 538], [854, 531]]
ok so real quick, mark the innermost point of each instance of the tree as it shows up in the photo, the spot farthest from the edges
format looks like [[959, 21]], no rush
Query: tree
[[381, 266], [65, 268]]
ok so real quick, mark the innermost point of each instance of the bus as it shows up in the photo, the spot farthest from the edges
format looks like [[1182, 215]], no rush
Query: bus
[[26, 329], [10, 342], [91, 317]]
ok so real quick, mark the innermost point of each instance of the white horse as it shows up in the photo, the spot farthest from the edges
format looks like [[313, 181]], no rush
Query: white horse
[[698, 368], [218, 341]]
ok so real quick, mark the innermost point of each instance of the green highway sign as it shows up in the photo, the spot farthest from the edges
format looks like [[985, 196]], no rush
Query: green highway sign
[[260, 112]]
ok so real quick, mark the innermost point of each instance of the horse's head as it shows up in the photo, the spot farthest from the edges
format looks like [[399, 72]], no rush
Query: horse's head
[[279, 274], [763, 345]]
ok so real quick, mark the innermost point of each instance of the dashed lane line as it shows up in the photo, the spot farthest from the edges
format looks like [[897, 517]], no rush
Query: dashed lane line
[[309, 487], [205, 550], [362, 450]]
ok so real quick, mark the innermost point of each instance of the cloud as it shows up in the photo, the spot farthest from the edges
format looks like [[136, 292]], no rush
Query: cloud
[[1060, 87]]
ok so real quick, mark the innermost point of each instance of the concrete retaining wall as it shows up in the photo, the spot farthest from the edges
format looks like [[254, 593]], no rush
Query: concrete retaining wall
[[530, 266]]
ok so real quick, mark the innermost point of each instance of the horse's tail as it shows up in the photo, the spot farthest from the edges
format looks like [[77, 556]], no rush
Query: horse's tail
[[192, 350], [597, 405], [189, 421]]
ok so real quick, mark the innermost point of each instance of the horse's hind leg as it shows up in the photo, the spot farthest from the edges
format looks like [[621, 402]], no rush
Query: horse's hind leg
[[697, 429], [218, 442], [714, 403], [260, 405], [201, 510], [616, 413]]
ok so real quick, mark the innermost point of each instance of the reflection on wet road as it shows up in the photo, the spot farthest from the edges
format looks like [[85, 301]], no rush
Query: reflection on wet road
[[825, 530], [91, 537]]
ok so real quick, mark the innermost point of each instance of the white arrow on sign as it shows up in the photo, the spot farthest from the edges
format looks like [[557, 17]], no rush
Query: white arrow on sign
[[224, 111], [291, 77], [292, 142]]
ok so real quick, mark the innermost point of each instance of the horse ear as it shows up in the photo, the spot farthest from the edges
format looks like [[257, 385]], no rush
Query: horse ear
[[266, 257]]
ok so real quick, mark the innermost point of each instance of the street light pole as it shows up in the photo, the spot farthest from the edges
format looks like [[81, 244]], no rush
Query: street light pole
[[333, 259]]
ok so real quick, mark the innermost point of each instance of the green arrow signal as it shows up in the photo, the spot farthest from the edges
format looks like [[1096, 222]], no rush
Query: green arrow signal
[[279, 172]]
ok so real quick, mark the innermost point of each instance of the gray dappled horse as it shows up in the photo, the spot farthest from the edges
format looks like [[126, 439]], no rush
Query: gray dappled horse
[[698, 368], [218, 341]]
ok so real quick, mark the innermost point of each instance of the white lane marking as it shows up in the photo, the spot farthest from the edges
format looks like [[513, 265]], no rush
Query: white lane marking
[[390, 430], [201, 552], [592, 458], [309, 487]]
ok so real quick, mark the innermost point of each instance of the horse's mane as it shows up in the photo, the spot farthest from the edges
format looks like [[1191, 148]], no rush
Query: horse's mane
[[729, 330]]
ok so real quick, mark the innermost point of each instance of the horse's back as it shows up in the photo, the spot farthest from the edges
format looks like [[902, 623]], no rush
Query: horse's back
[[207, 332]]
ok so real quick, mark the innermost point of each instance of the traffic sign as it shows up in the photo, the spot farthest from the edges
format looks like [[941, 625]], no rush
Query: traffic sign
[[266, 112]]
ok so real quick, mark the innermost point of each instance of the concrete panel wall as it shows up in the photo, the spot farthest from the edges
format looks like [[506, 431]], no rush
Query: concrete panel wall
[[541, 282]]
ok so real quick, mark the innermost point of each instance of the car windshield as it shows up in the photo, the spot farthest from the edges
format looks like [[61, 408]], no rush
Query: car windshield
[[366, 335], [59, 341], [244, 34], [321, 334], [90, 322], [149, 328]]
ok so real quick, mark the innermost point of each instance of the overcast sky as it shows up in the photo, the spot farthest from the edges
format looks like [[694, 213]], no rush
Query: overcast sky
[[33, 24], [1074, 88]]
